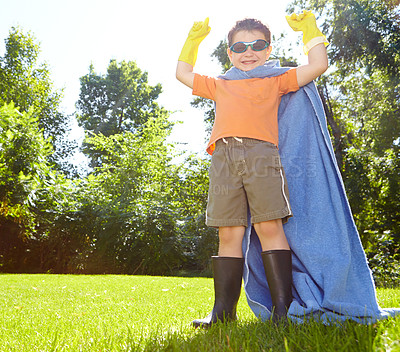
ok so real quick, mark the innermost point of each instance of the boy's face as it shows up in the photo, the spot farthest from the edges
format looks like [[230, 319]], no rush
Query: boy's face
[[249, 59]]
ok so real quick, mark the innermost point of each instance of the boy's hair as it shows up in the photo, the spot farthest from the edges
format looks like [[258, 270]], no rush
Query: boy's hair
[[249, 24]]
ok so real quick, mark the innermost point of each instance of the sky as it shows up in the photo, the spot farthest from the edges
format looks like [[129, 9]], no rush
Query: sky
[[76, 33]]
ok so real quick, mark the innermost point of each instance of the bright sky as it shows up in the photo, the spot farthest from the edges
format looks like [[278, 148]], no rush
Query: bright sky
[[74, 33]]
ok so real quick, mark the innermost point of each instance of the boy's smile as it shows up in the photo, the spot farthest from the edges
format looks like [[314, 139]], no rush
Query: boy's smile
[[249, 59]]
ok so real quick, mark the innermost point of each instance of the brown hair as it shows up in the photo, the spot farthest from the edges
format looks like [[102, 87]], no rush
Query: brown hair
[[249, 24]]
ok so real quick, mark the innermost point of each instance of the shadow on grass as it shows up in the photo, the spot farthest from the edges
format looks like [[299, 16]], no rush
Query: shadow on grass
[[266, 336]]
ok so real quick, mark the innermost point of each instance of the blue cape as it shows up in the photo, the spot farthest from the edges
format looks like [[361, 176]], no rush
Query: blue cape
[[331, 277]]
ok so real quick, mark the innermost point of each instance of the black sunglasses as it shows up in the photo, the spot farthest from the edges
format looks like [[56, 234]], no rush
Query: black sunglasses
[[256, 45]]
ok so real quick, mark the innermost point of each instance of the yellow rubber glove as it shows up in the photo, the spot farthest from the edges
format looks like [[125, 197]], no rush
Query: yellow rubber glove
[[306, 23], [196, 35]]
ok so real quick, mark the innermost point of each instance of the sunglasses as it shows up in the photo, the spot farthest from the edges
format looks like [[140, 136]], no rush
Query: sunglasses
[[256, 45]]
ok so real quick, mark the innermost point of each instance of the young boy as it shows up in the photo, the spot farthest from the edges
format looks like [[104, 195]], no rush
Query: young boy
[[245, 166]]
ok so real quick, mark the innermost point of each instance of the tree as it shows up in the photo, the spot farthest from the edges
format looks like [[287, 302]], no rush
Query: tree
[[23, 165], [362, 33], [364, 50], [120, 101], [200, 242], [27, 83], [127, 205]]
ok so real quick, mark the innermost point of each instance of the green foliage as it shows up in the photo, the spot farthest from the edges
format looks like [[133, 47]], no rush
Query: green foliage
[[137, 212], [120, 101], [143, 209], [221, 54], [35, 201], [128, 211], [27, 83], [141, 212], [199, 240], [58, 239], [362, 33], [23, 152]]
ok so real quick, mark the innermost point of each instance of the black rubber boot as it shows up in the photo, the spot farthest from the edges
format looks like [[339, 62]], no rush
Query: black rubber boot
[[228, 272], [278, 270]]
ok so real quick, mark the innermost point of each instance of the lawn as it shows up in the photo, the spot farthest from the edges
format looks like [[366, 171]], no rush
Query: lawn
[[144, 313]]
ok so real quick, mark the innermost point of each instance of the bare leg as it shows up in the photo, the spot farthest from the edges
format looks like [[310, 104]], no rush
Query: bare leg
[[230, 241], [271, 235]]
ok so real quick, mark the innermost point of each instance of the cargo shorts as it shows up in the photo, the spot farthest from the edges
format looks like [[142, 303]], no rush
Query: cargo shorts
[[244, 173]]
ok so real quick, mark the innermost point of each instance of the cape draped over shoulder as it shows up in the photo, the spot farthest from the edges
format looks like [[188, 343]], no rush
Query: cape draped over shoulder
[[331, 277]]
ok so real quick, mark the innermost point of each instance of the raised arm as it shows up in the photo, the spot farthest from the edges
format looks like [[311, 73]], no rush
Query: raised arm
[[314, 46], [188, 56], [184, 73]]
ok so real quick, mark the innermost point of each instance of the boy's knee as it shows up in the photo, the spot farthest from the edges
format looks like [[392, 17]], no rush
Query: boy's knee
[[231, 233], [269, 228]]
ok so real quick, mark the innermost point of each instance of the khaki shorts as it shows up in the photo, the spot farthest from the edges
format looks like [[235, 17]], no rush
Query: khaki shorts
[[246, 172]]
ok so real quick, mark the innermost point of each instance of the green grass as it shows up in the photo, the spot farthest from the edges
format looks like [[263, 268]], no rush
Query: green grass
[[144, 313]]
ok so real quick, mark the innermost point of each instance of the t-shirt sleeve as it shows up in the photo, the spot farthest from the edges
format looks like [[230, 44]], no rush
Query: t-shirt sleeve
[[288, 82], [204, 86]]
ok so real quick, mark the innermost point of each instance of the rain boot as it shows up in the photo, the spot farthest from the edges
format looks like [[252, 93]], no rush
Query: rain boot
[[228, 273], [278, 270]]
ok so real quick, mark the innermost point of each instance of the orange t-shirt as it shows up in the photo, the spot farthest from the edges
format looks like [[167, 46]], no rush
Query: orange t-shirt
[[245, 108]]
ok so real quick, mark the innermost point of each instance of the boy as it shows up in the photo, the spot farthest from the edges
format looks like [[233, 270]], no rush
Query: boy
[[245, 166]]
